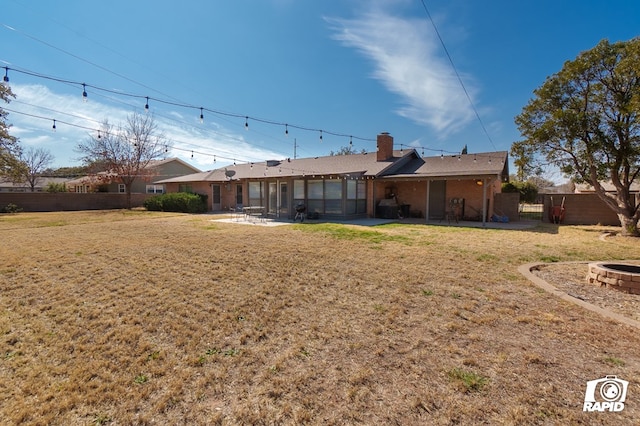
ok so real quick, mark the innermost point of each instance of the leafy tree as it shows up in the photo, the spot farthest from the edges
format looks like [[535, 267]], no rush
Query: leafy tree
[[125, 151], [70, 171], [35, 161], [527, 190], [584, 120], [10, 165], [347, 150]]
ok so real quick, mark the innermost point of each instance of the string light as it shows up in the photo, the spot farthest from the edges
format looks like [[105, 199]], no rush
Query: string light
[[84, 92], [99, 135], [6, 75], [182, 105], [147, 98], [192, 154], [246, 122], [54, 125], [286, 130], [201, 115]]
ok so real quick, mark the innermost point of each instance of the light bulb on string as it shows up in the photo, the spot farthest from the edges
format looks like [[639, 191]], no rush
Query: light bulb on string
[[146, 106], [6, 75], [350, 140], [246, 123], [54, 126], [99, 135], [201, 115], [191, 154], [320, 136], [286, 130], [84, 92]]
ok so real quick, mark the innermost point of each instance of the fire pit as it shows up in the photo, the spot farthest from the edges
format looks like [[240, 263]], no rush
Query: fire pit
[[619, 276]]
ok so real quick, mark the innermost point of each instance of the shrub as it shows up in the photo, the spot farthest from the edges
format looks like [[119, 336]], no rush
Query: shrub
[[182, 202], [154, 203], [10, 208], [56, 187]]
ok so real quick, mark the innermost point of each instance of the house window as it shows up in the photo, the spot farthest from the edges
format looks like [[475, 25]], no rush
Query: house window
[[298, 192], [185, 187], [122, 188], [238, 195], [333, 196], [155, 189], [256, 190], [315, 192], [356, 196]]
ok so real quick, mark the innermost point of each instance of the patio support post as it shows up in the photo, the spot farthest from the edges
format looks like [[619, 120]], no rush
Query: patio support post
[[426, 216], [484, 202]]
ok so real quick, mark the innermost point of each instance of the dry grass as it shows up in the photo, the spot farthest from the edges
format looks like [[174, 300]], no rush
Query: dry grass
[[139, 318]]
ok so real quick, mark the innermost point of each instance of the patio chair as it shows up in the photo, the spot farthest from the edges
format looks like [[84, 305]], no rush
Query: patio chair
[[236, 212]]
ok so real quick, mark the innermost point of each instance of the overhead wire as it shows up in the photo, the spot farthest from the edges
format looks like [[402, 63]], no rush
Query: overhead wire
[[455, 70]]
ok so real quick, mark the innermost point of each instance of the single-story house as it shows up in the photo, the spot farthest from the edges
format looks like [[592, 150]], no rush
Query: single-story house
[[155, 170], [386, 183], [585, 188], [40, 185]]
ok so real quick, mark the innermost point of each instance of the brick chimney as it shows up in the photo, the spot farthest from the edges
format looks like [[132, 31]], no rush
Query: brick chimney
[[385, 146]]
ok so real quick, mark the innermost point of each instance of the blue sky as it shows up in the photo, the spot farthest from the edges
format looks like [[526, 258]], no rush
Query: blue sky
[[345, 67]]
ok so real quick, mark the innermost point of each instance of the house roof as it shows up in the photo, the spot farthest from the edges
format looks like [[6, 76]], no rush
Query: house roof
[[96, 178], [606, 185], [403, 164], [41, 182]]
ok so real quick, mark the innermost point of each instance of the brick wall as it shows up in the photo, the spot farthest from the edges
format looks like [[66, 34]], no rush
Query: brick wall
[[68, 201], [581, 209], [506, 204]]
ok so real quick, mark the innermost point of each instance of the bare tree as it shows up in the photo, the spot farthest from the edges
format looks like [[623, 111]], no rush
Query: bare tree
[[35, 161], [125, 150]]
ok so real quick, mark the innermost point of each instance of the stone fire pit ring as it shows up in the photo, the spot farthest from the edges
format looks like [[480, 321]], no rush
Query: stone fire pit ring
[[618, 276]]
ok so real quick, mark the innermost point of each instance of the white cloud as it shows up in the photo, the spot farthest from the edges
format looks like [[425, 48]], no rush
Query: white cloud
[[409, 61], [36, 106]]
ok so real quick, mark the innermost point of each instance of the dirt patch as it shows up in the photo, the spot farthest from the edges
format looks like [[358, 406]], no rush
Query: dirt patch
[[571, 279]]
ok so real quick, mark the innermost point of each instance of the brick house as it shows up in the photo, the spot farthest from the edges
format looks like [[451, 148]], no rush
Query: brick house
[[384, 183], [155, 170]]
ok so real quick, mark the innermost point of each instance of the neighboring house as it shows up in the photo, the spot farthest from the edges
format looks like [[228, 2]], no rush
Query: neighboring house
[[375, 184], [585, 188], [156, 170], [41, 184]]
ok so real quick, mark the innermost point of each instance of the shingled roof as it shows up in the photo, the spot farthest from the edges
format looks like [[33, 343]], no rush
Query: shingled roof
[[393, 164], [402, 165]]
